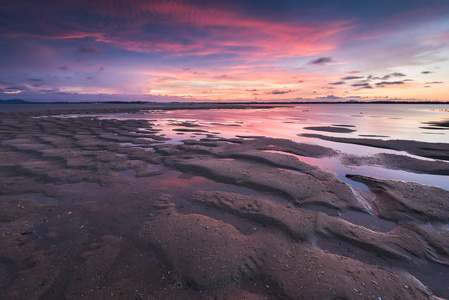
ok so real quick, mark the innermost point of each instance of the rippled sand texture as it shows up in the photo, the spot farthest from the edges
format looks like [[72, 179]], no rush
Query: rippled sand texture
[[108, 209]]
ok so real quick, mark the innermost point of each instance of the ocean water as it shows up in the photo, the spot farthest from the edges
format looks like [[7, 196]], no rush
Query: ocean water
[[378, 121], [386, 121]]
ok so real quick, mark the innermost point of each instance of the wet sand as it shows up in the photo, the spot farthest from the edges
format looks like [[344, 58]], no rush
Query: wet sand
[[431, 150], [339, 129], [108, 209]]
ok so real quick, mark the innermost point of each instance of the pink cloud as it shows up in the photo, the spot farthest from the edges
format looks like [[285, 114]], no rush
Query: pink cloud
[[232, 53], [227, 31]]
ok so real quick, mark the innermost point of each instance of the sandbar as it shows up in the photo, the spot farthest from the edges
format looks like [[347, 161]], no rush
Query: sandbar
[[337, 128]]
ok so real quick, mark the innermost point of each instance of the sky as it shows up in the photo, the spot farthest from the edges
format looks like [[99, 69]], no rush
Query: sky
[[234, 50]]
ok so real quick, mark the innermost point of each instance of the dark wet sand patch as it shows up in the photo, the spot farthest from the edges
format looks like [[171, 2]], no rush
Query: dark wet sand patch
[[249, 136], [330, 129], [371, 222], [189, 130], [435, 128], [444, 123], [227, 124], [184, 123], [436, 125], [435, 275], [40, 198], [373, 135], [343, 125]]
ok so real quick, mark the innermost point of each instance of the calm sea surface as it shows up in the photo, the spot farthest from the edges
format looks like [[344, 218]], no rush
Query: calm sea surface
[[388, 122], [378, 121]]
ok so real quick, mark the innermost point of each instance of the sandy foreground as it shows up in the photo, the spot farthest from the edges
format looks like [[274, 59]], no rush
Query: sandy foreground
[[106, 209]]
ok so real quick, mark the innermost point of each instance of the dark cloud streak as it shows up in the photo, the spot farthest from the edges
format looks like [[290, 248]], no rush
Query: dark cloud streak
[[321, 61], [17, 88], [88, 50], [36, 79], [362, 85], [386, 77], [383, 83], [352, 77], [278, 92]]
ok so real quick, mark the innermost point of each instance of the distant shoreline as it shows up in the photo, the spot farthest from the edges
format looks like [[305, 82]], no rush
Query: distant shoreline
[[19, 101], [133, 107]]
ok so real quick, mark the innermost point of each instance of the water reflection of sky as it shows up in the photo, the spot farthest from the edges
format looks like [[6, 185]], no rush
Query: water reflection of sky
[[394, 121], [334, 165], [400, 121]]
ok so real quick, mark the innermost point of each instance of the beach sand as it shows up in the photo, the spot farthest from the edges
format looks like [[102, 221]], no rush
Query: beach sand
[[106, 209]]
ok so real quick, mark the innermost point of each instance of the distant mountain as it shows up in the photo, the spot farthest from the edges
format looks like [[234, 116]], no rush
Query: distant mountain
[[13, 101]]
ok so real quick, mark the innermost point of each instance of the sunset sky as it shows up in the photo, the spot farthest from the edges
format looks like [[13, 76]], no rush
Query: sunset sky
[[257, 50]]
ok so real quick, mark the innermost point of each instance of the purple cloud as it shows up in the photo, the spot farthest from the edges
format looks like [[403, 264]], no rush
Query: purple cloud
[[88, 50], [352, 77], [17, 88], [383, 83], [278, 92], [397, 74], [321, 61], [363, 85], [36, 79], [5, 82]]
